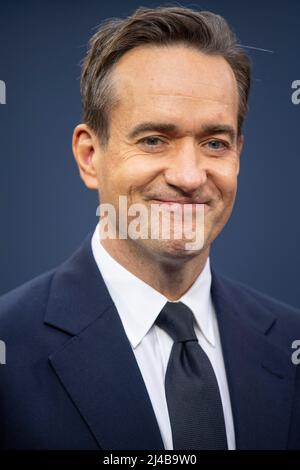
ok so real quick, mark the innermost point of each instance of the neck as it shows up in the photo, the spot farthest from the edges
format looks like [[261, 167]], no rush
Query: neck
[[170, 276]]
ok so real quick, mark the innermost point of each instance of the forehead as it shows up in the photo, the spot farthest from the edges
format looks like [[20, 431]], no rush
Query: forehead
[[176, 81]]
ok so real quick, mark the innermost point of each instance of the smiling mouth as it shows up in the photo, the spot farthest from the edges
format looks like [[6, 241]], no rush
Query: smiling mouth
[[180, 201]]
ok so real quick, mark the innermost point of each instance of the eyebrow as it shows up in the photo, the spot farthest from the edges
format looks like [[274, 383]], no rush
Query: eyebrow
[[169, 128]]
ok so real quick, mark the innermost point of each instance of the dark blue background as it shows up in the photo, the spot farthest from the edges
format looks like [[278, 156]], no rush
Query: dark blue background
[[45, 209]]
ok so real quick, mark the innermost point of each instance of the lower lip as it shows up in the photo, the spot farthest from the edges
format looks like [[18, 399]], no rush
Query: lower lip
[[173, 205]]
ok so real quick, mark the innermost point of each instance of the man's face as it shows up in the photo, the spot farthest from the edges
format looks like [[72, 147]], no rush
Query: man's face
[[173, 137]]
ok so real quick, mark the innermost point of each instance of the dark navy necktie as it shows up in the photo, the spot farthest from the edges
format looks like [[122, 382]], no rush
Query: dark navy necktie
[[192, 392]]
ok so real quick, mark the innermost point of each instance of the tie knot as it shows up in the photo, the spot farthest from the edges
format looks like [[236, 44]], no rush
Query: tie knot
[[177, 320]]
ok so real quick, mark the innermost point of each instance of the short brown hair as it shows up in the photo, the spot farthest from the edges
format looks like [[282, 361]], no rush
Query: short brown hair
[[161, 26]]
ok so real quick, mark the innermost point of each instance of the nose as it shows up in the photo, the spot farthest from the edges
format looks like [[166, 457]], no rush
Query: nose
[[186, 169]]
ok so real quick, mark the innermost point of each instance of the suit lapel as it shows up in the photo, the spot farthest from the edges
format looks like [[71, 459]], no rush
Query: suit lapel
[[97, 366], [260, 375]]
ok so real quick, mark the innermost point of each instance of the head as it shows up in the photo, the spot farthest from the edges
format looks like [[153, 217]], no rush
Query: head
[[164, 97]]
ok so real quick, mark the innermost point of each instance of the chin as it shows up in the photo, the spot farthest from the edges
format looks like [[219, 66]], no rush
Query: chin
[[173, 250]]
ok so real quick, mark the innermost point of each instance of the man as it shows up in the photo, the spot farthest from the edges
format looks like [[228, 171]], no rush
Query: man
[[137, 342]]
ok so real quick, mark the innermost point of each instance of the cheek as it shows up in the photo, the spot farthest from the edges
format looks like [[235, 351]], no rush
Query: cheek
[[225, 178], [134, 171]]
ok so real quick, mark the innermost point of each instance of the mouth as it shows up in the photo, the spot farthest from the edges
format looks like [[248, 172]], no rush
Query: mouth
[[180, 201], [181, 205]]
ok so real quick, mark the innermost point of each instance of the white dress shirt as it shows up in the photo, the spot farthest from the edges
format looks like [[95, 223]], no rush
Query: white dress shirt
[[138, 305]]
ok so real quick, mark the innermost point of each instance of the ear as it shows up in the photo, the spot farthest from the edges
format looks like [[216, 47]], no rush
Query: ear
[[240, 143], [85, 147]]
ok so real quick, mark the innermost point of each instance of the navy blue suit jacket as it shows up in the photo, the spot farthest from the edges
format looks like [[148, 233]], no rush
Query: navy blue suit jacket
[[71, 380]]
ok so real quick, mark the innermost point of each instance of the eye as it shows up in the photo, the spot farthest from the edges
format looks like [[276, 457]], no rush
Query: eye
[[217, 145], [151, 142]]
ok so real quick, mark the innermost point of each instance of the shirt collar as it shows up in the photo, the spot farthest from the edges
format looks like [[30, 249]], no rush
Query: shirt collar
[[139, 304]]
